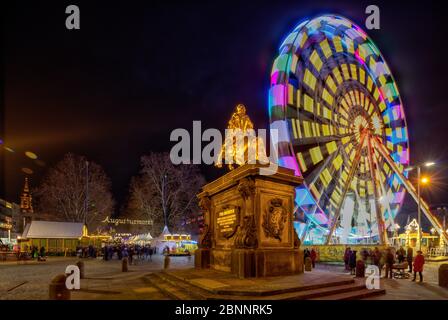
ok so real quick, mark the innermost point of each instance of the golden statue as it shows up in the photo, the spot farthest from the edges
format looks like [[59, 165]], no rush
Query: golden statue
[[241, 144]]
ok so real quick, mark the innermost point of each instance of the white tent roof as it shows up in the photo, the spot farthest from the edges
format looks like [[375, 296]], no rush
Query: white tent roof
[[53, 229], [164, 232], [142, 237]]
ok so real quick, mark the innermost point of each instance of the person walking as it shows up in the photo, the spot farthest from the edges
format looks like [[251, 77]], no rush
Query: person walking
[[418, 265], [131, 254], [376, 255], [313, 256], [150, 252], [409, 258], [347, 258], [42, 252], [390, 260], [352, 261], [400, 255]]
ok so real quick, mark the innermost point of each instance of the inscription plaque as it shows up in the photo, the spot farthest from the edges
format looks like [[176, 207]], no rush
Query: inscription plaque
[[227, 221]]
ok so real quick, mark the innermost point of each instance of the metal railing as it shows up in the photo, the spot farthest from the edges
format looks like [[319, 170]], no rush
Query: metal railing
[[437, 252]]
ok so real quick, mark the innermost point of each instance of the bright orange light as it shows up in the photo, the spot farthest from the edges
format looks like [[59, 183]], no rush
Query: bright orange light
[[424, 180]]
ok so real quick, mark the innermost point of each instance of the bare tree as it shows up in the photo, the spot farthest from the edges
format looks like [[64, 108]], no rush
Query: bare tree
[[164, 192], [76, 190]]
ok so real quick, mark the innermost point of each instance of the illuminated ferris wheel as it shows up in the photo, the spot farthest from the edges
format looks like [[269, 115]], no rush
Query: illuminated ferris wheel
[[341, 127]]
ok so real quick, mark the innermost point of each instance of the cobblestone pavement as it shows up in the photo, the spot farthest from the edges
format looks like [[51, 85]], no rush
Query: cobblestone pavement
[[31, 280], [104, 280], [404, 289]]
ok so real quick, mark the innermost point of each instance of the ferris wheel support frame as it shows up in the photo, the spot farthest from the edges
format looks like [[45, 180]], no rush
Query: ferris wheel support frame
[[347, 185], [382, 233], [410, 188]]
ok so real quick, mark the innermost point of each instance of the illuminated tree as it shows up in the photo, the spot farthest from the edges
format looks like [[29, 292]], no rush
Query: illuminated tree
[[76, 190], [164, 193]]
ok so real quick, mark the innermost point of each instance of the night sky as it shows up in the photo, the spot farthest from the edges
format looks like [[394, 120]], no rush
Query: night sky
[[116, 88]]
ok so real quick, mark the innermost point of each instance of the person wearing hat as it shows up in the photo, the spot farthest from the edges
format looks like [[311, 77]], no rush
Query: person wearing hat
[[419, 261]]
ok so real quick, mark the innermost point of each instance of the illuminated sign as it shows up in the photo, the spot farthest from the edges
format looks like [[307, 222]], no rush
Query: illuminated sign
[[127, 221], [227, 221]]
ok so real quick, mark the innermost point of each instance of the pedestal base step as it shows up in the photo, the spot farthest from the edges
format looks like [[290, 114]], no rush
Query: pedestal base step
[[210, 284]]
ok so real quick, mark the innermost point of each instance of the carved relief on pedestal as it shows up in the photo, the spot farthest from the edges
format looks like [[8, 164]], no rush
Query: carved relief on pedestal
[[246, 237], [274, 219], [246, 187], [205, 240]]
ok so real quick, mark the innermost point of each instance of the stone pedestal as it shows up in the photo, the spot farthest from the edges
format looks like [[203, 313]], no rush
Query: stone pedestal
[[249, 224], [202, 258]]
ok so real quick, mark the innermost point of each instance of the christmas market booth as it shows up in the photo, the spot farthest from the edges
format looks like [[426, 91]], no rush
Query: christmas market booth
[[59, 238], [179, 244], [175, 244], [410, 238]]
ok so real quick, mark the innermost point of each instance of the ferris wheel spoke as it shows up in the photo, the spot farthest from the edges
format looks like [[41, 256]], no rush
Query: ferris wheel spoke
[[314, 175], [382, 234], [317, 140], [352, 172], [375, 157], [425, 208]]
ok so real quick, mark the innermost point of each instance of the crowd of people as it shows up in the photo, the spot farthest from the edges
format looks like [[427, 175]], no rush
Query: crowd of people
[[387, 258], [120, 251], [37, 253]]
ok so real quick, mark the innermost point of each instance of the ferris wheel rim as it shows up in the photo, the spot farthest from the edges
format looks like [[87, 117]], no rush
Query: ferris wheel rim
[[298, 29]]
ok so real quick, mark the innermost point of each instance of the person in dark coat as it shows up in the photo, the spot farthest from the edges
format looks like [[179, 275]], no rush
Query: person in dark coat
[[400, 255], [347, 258], [376, 258], [410, 258], [390, 260], [150, 252], [352, 261], [131, 254], [42, 252]]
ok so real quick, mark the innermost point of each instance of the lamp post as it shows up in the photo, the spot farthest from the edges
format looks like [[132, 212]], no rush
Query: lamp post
[[419, 213], [419, 181], [87, 193]]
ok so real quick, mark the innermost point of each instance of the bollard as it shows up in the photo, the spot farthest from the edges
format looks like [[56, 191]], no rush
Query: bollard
[[443, 275], [58, 290], [308, 264], [124, 265], [80, 265], [360, 269], [166, 262]]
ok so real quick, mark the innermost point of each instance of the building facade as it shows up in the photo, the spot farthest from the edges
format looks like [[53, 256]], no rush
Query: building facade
[[9, 216]]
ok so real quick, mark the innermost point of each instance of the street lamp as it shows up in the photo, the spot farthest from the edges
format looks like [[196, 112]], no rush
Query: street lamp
[[424, 180]]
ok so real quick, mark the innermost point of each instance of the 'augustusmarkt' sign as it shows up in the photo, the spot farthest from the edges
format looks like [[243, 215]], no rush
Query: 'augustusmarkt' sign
[[126, 221]]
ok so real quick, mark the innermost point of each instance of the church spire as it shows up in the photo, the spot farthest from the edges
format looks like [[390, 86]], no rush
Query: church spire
[[26, 200]]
